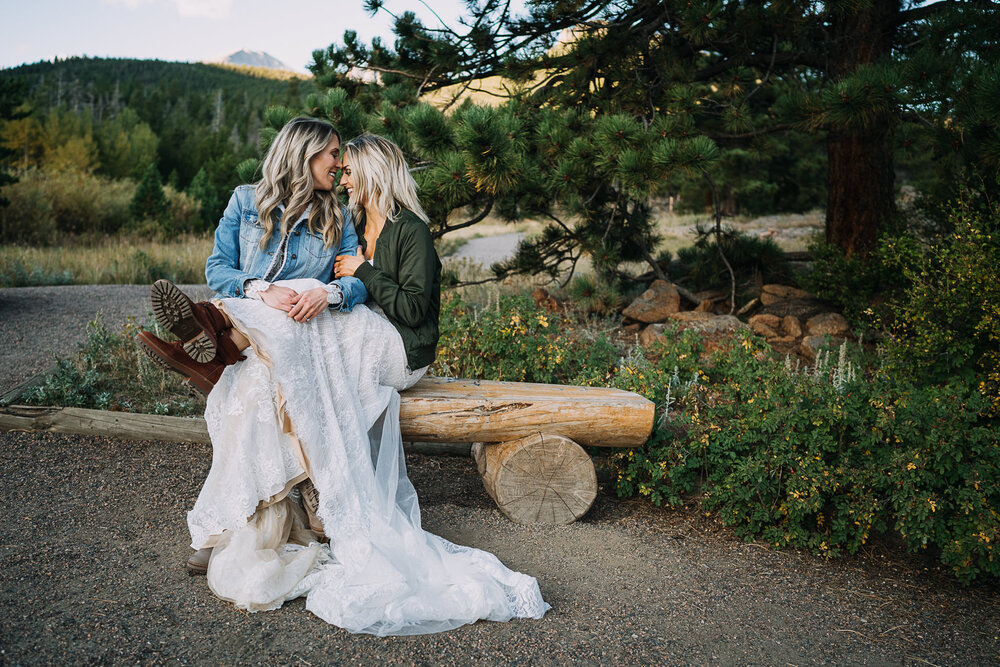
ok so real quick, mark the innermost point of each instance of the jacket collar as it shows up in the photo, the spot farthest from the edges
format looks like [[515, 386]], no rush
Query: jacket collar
[[304, 216]]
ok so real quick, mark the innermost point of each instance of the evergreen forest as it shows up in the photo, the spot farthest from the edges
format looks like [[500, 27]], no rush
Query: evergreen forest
[[84, 134]]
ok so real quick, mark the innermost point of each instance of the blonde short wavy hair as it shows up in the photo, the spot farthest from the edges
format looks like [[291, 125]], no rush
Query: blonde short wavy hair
[[287, 179], [381, 178]]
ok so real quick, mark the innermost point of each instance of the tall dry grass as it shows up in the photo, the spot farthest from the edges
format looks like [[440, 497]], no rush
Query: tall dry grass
[[115, 260]]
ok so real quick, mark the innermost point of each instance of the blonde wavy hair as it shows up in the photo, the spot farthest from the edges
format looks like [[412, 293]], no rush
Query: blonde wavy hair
[[287, 178], [381, 178]]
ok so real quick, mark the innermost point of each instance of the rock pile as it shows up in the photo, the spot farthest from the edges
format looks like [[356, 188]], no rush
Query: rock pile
[[792, 320]]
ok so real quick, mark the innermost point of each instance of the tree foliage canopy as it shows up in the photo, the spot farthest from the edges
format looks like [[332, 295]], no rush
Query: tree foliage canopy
[[612, 102]]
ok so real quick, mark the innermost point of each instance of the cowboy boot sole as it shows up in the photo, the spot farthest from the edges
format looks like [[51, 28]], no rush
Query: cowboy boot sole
[[155, 356], [172, 309]]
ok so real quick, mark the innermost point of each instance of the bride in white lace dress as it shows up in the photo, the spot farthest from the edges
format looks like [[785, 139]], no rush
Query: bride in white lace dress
[[317, 397]]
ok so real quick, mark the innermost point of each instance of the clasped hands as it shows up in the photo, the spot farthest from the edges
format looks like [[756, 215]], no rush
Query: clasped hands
[[303, 306], [300, 306]]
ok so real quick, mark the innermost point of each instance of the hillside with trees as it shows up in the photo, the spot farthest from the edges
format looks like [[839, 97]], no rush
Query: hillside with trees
[[102, 125]]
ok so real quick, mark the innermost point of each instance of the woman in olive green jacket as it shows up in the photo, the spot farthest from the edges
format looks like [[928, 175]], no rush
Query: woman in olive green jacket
[[396, 259]]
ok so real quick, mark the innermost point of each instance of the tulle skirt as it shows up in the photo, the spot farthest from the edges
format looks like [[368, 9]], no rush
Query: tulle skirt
[[321, 399]]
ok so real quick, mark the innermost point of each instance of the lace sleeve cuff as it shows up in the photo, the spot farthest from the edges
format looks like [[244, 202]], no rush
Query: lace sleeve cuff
[[334, 295], [254, 287]]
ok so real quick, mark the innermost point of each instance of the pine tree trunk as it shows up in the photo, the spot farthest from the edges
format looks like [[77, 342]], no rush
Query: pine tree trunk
[[859, 171]]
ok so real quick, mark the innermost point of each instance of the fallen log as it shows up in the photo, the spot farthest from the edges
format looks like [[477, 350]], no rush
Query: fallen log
[[528, 435], [81, 421], [452, 409], [136, 426]]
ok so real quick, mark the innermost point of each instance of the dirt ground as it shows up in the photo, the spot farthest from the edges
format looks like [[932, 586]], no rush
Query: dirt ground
[[92, 546], [93, 540]]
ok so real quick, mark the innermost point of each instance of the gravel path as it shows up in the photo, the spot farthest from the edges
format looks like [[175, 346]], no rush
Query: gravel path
[[488, 250], [94, 536]]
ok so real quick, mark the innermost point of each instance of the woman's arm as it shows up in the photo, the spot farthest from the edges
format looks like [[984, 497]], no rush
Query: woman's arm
[[408, 300], [352, 289], [222, 270]]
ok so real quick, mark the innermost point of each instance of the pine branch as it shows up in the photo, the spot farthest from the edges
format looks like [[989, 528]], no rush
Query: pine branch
[[780, 127], [940, 7], [757, 60], [468, 223]]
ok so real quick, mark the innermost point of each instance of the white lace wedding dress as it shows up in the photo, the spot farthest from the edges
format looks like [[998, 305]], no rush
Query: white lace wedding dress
[[305, 401]]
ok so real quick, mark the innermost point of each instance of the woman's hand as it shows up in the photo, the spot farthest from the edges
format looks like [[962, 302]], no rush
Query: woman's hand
[[282, 298], [346, 265], [308, 304]]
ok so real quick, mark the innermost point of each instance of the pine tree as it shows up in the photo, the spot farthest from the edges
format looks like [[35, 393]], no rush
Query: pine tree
[[12, 94], [149, 201], [206, 194], [856, 75]]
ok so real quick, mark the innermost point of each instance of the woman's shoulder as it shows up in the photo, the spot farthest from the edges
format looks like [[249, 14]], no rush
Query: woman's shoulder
[[246, 196], [407, 219]]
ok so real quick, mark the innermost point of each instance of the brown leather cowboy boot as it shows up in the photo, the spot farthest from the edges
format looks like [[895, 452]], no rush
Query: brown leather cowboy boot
[[198, 562], [198, 325], [173, 357]]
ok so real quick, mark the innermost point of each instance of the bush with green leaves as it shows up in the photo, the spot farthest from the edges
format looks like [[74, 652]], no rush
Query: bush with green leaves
[[853, 283], [517, 341], [946, 323], [753, 259], [822, 457], [46, 206], [110, 372]]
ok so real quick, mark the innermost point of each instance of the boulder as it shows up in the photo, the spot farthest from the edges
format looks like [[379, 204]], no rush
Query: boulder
[[771, 294], [652, 334], [765, 325], [791, 326], [812, 344], [800, 308], [707, 322], [655, 304], [544, 300], [706, 306], [828, 324]]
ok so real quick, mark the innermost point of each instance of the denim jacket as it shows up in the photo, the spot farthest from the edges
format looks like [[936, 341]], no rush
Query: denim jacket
[[237, 256]]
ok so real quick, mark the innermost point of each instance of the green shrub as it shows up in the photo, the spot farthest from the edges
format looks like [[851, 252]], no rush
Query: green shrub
[[853, 283], [942, 475], [821, 457], [109, 372], [46, 206], [752, 259], [518, 341], [946, 323]]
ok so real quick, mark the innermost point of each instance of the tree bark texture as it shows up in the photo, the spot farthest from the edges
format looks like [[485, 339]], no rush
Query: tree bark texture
[[860, 199]]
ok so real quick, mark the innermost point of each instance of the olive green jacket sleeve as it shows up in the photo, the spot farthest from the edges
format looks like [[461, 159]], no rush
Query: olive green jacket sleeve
[[405, 297]]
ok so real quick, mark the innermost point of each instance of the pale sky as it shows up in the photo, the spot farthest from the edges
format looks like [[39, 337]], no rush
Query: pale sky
[[192, 30]]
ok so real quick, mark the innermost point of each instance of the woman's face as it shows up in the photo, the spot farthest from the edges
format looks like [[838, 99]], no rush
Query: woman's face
[[347, 179], [324, 165]]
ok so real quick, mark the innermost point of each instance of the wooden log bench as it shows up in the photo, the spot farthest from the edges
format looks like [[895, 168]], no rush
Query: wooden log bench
[[527, 437]]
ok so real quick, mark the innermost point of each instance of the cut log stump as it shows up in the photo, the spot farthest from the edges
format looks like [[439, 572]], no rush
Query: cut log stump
[[538, 479]]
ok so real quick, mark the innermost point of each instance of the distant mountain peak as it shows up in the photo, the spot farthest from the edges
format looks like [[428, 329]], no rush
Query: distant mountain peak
[[249, 58]]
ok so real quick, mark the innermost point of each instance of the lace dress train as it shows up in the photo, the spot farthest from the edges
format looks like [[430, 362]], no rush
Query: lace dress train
[[322, 398]]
